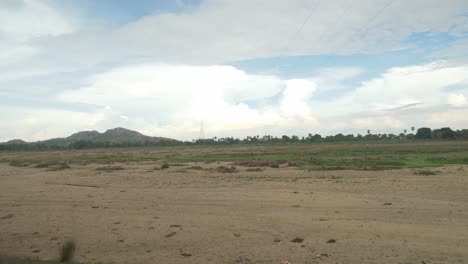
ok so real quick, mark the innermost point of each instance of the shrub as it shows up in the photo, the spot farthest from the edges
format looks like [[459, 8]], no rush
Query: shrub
[[425, 172], [164, 166], [67, 251]]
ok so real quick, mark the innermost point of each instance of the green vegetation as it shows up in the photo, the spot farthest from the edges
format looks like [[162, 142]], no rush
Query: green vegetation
[[422, 134], [164, 166], [324, 156], [67, 251], [344, 157]]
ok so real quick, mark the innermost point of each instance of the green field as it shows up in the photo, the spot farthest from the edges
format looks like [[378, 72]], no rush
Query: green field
[[324, 156]]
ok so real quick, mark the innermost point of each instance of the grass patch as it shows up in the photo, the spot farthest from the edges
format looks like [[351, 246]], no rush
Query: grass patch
[[18, 164], [53, 165], [224, 169], [110, 168], [326, 156], [254, 169], [195, 168]]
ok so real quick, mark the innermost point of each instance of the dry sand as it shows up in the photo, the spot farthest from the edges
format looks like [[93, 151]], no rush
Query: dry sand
[[181, 215]]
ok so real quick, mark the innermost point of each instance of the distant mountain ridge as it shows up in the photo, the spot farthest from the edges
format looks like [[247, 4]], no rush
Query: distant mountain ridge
[[113, 136]]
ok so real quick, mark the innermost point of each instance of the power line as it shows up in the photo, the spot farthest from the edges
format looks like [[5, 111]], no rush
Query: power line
[[380, 11], [302, 25], [307, 19], [366, 26], [366, 29], [338, 21]]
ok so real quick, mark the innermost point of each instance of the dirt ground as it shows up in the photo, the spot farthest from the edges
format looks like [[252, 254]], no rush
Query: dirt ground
[[196, 214]]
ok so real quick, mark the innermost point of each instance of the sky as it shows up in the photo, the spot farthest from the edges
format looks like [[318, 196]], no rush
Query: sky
[[242, 67]]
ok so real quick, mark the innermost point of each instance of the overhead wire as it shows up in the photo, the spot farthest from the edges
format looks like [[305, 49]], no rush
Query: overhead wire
[[365, 29], [340, 18], [311, 12]]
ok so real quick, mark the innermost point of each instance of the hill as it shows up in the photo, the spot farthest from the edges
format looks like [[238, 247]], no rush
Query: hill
[[111, 138]]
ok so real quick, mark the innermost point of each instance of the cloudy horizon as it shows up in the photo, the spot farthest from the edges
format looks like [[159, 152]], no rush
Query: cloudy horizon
[[242, 67]]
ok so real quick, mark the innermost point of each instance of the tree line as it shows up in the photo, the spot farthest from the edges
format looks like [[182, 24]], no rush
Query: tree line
[[423, 133]]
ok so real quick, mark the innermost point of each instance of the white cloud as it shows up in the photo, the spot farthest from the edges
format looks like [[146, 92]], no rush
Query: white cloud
[[34, 124], [456, 99], [30, 19], [170, 96], [451, 117], [296, 97], [21, 22], [169, 88], [401, 86], [219, 31], [380, 122], [171, 100]]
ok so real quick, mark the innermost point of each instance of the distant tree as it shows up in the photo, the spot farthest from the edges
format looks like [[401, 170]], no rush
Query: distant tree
[[462, 134], [294, 139], [317, 138], [424, 133], [443, 133], [339, 137], [405, 131], [412, 129]]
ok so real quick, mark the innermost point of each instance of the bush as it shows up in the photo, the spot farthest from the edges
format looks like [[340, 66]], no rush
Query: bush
[[223, 169], [425, 172], [164, 166], [67, 251]]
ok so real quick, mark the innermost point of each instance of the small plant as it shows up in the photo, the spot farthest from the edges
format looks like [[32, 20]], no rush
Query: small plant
[[254, 169], [67, 251], [18, 164], [110, 168], [223, 169], [164, 166]]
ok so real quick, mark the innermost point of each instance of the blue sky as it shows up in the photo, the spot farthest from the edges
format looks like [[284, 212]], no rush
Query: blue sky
[[120, 12], [243, 67]]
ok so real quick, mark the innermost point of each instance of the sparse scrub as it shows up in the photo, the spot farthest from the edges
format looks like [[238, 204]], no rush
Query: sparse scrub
[[261, 163], [177, 164], [325, 156], [67, 251], [110, 168], [18, 164], [224, 169], [425, 172], [164, 166], [195, 168], [254, 169], [53, 165]]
